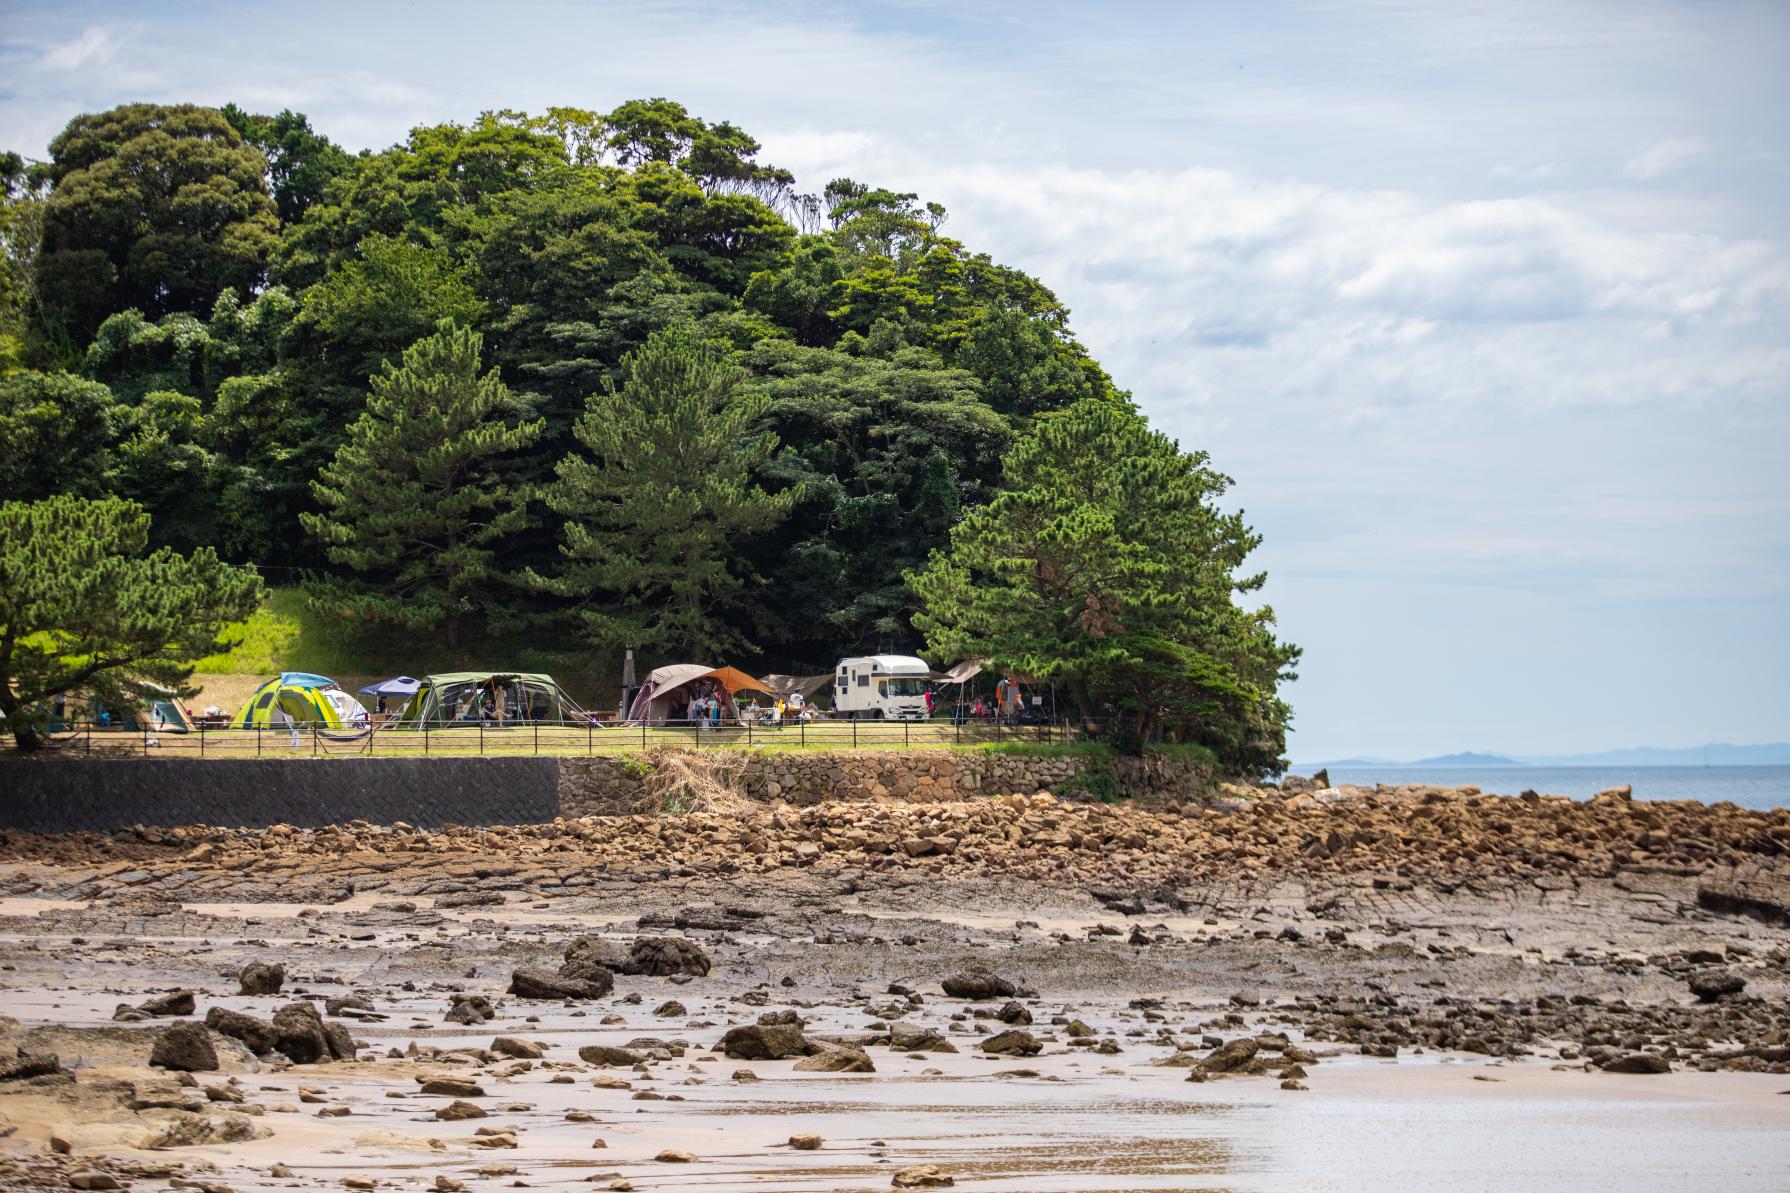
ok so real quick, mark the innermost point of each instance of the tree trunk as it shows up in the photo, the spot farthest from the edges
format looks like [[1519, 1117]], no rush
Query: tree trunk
[[1084, 704], [24, 733]]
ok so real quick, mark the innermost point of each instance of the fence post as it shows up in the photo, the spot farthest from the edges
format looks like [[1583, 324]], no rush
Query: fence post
[[590, 738], [314, 741], [145, 743], [481, 737], [803, 726], [201, 741], [854, 733], [904, 739], [537, 726]]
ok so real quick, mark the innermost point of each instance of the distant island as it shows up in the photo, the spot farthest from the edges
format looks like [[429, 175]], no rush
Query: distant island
[[1712, 754]]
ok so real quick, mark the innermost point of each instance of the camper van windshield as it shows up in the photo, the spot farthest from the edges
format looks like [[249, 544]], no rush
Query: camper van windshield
[[904, 687]]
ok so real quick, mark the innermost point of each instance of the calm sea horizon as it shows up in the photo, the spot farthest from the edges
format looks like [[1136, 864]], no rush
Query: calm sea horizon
[[1747, 786]]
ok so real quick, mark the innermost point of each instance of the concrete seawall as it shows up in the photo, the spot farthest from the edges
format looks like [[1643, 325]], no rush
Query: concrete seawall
[[72, 796]]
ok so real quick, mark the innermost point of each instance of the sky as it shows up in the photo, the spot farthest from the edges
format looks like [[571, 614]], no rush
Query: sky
[[1485, 306]]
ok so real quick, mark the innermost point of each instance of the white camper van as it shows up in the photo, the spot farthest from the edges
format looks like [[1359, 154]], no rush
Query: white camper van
[[888, 687]]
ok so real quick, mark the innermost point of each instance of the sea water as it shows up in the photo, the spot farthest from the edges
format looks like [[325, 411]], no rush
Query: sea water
[[1747, 786]]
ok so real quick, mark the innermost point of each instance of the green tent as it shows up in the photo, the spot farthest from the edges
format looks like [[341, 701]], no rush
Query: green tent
[[490, 698], [306, 699]]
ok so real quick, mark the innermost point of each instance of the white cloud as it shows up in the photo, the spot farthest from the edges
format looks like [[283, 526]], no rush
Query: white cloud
[[97, 45], [1658, 157]]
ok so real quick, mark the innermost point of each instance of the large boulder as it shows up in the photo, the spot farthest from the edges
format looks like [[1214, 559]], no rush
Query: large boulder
[[827, 1057], [538, 983], [589, 956], [1013, 1043], [909, 1037], [1638, 1062], [185, 1048], [764, 1042], [170, 1005], [663, 956], [1228, 1057], [261, 978], [470, 1009], [1711, 984], [609, 1054], [298, 1032], [258, 1035], [979, 984], [341, 1043]]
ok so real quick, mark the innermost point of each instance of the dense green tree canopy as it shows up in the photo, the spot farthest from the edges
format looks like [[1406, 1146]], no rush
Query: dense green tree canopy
[[155, 206], [82, 607], [715, 415]]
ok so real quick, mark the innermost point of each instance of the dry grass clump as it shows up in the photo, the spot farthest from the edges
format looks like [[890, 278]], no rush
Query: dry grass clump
[[680, 781]]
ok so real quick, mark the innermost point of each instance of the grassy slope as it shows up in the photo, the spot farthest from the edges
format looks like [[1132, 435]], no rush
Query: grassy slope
[[286, 634]]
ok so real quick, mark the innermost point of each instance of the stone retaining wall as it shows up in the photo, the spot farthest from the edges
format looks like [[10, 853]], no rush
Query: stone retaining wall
[[610, 786]]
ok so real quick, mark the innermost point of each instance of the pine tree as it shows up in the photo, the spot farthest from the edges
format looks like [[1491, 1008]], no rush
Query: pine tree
[[1103, 565], [658, 511], [83, 609], [416, 500]]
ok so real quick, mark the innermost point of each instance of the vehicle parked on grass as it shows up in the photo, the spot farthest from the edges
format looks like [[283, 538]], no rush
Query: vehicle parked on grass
[[881, 687]]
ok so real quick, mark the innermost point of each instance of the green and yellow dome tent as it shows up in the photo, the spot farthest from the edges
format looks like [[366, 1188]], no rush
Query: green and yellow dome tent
[[308, 700]]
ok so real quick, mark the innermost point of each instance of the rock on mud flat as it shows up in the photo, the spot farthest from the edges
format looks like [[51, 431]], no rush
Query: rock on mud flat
[[664, 956], [764, 1042], [1639, 1062], [538, 983], [976, 985], [1711, 984], [261, 978], [257, 1034], [185, 1047], [1013, 1043], [609, 1054], [924, 1176]]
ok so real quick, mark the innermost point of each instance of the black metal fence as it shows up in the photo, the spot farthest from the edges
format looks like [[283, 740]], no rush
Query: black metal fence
[[544, 738]]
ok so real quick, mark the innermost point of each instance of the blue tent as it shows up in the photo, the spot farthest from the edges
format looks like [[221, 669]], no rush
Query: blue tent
[[402, 685]]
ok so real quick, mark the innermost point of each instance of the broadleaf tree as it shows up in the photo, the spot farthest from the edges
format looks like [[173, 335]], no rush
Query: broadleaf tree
[[661, 504], [84, 609], [1103, 565], [417, 500]]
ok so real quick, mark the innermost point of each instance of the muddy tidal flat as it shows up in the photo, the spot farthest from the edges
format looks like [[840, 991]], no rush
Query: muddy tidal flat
[[1412, 988]]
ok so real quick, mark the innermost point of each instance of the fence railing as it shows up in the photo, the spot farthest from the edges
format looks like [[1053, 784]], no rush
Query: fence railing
[[543, 738]]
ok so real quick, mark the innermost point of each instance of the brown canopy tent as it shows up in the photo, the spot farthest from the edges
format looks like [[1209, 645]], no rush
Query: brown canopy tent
[[669, 689]]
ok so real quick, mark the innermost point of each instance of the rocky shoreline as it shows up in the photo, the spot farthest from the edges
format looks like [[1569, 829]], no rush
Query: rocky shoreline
[[289, 1008]]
